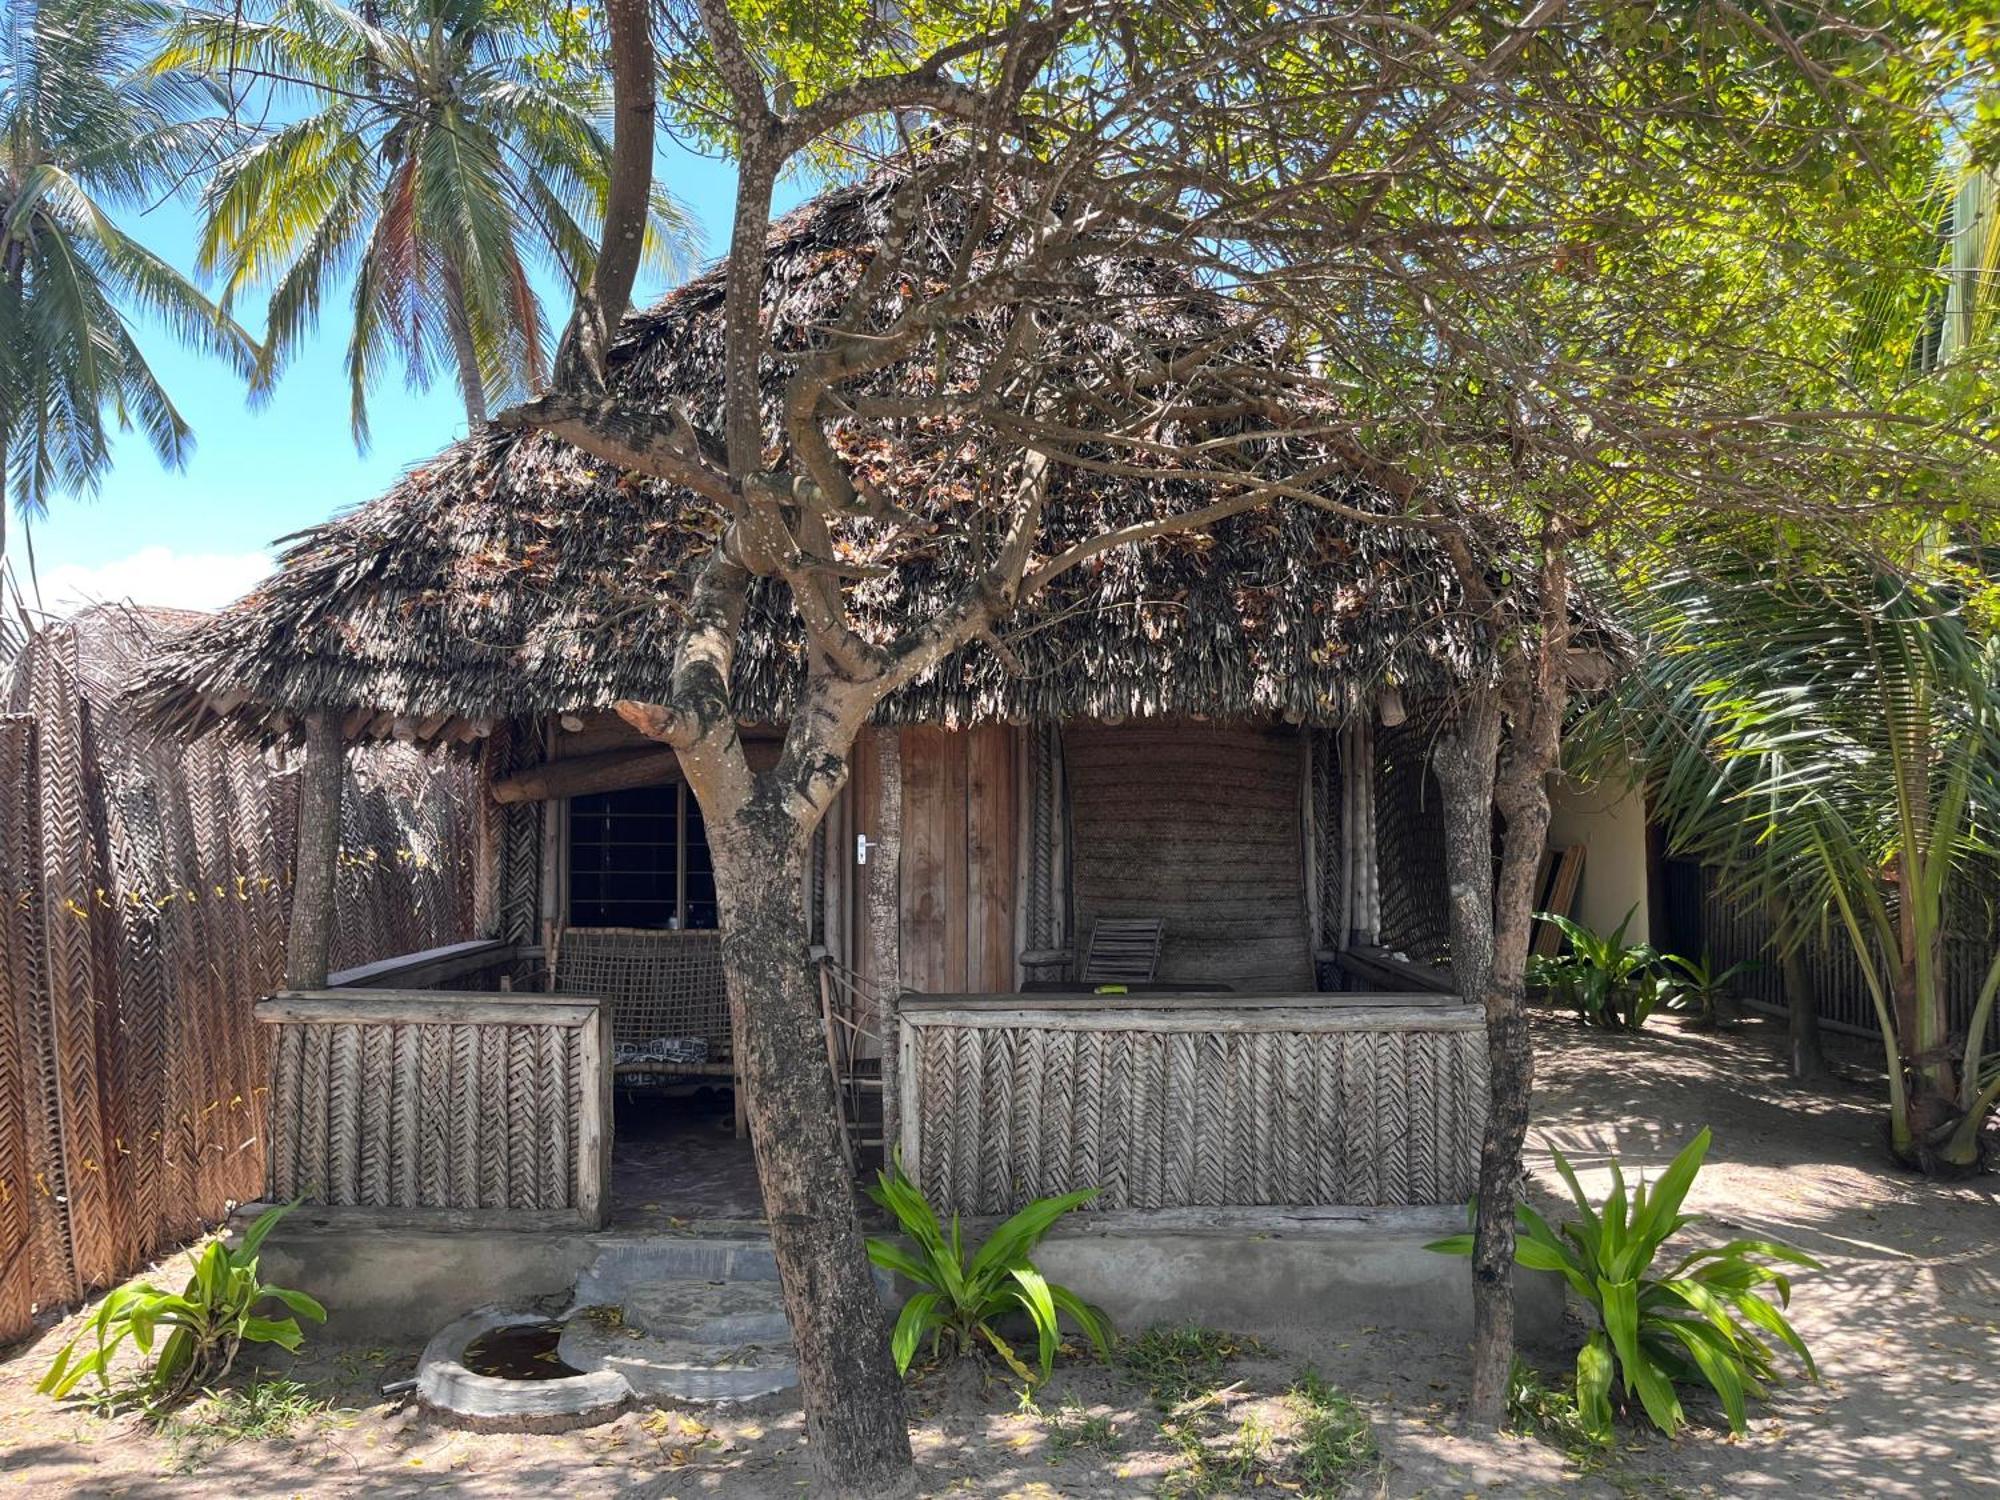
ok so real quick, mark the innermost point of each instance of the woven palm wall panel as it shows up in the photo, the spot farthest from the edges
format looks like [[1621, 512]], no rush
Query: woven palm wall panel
[[144, 895], [1188, 1111], [431, 1115]]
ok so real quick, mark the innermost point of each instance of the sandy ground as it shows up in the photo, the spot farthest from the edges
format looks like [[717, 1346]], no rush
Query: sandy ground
[[1905, 1321]]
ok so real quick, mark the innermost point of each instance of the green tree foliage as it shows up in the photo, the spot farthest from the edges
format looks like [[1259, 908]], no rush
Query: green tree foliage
[[441, 151], [87, 131]]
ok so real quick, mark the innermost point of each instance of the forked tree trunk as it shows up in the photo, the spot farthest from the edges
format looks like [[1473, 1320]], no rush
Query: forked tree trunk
[[857, 1434]]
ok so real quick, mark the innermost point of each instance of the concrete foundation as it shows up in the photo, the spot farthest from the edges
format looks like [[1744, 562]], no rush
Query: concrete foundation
[[1270, 1271], [1285, 1272], [404, 1283]]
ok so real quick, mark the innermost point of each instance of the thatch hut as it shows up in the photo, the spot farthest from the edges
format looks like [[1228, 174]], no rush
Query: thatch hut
[[1158, 906]]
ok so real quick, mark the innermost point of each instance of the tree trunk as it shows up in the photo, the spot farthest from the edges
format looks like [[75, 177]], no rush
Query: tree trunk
[[310, 938], [1466, 761], [857, 1434], [1535, 706], [471, 383], [1808, 1056], [1510, 1067]]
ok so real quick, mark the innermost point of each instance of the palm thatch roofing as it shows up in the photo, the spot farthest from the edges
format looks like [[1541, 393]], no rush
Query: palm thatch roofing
[[514, 575]]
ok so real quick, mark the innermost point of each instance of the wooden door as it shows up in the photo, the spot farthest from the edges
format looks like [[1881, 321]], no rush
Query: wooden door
[[960, 856]]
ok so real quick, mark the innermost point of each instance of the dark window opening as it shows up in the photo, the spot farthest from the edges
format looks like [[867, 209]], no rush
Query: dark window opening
[[639, 858]]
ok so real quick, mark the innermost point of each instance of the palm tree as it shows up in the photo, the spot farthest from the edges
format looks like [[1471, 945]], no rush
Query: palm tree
[[435, 158], [1830, 736], [85, 129]]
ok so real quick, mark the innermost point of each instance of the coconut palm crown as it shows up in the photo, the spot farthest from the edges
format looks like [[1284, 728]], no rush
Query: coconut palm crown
[[432, 154], [88, 131]]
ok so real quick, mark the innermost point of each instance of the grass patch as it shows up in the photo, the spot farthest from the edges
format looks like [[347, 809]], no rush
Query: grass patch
[[262, 1409], [1336, 1446], [1536, 1408], [1070, 1427], [1312, 1440], [1178, 1364]]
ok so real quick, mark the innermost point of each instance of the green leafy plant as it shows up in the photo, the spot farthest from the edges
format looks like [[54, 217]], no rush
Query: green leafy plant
[[962, 1297], [1607, 981], [1697, 986], [1701, 1320], [205, 1324]]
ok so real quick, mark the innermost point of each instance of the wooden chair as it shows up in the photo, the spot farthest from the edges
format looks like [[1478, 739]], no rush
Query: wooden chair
[[1123, 950]]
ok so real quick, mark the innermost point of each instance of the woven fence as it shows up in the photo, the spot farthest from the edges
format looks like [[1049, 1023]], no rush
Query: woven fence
[[489, 1105], [146, 895]]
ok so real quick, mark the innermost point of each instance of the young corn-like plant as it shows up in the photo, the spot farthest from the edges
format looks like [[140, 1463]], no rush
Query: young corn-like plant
[[206, 1323], [1702, 1319], [961, 1298]]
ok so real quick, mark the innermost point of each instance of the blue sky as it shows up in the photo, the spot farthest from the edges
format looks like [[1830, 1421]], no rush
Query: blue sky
[[202, 536]]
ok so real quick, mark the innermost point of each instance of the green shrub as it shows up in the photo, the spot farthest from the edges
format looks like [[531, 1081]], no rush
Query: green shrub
[[1698, 986], [1608, 982], [1700, 1320], [962, 1297], [206, 1323]]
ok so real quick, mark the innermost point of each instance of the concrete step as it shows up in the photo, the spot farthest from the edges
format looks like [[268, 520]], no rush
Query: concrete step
[[708, 1312], [624, 1266], [678, 1369]]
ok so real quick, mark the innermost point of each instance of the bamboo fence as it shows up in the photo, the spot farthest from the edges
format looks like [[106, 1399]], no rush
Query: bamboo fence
[[144, 894]]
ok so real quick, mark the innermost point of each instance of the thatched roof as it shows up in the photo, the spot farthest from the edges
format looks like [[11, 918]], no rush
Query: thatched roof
[[514, 575]]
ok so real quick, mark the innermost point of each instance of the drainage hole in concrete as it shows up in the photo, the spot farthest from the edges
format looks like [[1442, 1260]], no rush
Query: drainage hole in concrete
[[522, 1351]]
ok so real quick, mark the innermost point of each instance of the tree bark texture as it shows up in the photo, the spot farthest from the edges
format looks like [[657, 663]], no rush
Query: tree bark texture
[[310, 938], [857, 1433], [1536, 705], [1466, 761]]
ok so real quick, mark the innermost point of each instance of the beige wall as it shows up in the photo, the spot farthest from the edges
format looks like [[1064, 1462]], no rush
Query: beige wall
[[1609, 819]]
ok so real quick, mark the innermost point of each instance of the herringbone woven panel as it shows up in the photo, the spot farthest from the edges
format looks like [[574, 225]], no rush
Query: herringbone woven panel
[[1170, 1118], [434, 1115]]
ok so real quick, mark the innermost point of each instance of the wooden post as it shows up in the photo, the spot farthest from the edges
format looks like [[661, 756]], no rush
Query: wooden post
[[489, 841], [311, 936], [882, 888], [593, 1126]]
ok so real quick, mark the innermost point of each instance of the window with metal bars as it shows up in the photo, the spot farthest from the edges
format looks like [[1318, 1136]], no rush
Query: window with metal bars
[[639, 858]]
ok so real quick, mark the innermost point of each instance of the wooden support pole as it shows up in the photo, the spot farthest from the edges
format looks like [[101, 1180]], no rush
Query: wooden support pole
[[882, 887], [489, 840], [310, 939]]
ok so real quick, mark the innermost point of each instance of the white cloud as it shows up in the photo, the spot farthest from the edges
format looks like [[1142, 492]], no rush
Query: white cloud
[[157, 576]]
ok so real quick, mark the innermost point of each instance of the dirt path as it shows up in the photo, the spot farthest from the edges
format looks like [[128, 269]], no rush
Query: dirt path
[[1905, 1321]]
